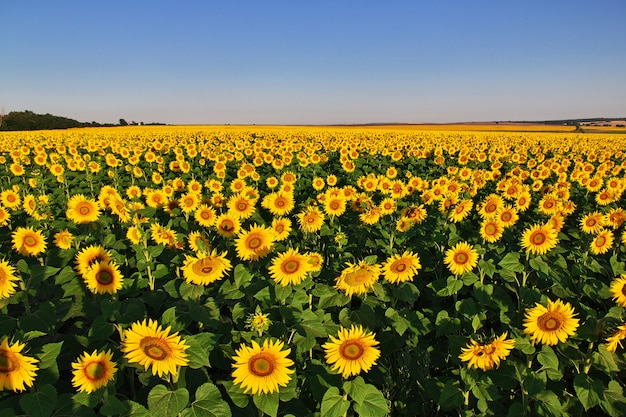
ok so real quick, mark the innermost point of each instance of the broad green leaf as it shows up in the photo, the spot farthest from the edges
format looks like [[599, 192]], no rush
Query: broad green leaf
[[614, 402], [334, 404], [268, 403], [588, 391], [399, 323], [511, 262], [242, 276], [40, 403], [355, 389], [190, 291], [236, 394], [451, 395], [165, 403], [200, 346], [373, 403], [208, 403], [112, 406], [312, 325], [49, 354], [548, 358], [135, 410], [548, 404], [535, 382], [604, 360], [487, 267]]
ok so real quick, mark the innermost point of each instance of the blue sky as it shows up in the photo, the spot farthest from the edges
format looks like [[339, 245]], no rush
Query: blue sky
[[322, 62]]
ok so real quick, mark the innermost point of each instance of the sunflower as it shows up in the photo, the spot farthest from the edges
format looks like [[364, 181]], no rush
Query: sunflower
[[357, 278], [616, 339], [93, 371], [461, 210], [205, 216], [258, 321], [63, 239], [336, 206], [82, 210], [487, 355], [134, 235], [311, 219], [401, 268], [618, 289], [289, 267], [149, 345], [17, 371], [491, 230], [592, 222], [198, 242], [315, 261], [103, 277], [7, 280], [28, 242], [281, 228], [255, 243], [552, 324], [279, 203], [602, 242], [262, 369], [4, 216], [10, 199], [461, 258], [539, 239], [353, 351], [90, 256], [240, 206], [371, 216], [507, 216], [205, 267], [189, 202], [387, 206], [490, 206], [227, 225], [162, 235]]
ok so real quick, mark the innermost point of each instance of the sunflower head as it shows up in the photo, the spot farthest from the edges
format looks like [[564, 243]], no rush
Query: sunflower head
[[353, 351], [550, 324], [262, 369]]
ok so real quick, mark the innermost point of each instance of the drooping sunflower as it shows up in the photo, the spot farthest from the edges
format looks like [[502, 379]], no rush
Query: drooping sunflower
[[281, 228], [104, 277], [82, 210], [353, 351], [491, 230], [17, 371], [205, 267], [539, 239], [616, 339], [311, 219], [227, 225], [262, 369], [89, 256], [93, 371], [552, 324], [28, 242], [461, 258], [147, 344], [401, 268], [618, 289], [254, 243], [357, 278], [8, 280], [63, 239], [602, 242], [487, 355], [289, 268]]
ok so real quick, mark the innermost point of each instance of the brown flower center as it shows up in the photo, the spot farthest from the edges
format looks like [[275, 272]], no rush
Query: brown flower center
[[538, 238], [351, 349], [506, 216], [290, 267], [30, 241], [104, 277], [261, 364], [8, 361], [549, 321], [490, 229], [461, 258], [600, 241], [356, 278], [399, 266], [84, 209], [95, 370], [254, 242], [155, 348]]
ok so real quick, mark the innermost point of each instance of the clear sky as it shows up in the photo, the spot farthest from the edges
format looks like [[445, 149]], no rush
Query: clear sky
[[313, 62]]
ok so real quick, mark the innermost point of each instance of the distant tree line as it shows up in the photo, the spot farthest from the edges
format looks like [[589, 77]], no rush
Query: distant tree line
[[27, 120]]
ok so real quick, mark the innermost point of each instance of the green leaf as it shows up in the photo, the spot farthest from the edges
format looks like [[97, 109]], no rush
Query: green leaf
[[399, 323], [539, 264], [549, 404], [451, 395], [333, 404], [242, 276], [487, 267], [135, 410], [236, 394], [268, 403], [190, 291], [208, 403], [355, 389], [49, 354], [312, 325], [112, 406], [511, 262], [588, 391], [550, 363], [604, 360], [614, 402], [373, 403], [535, 382], [200, 345], [40, 403], [165, 403]]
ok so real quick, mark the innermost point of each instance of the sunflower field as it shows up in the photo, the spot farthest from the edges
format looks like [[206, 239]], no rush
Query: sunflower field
[[308, 271]]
